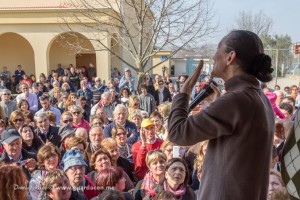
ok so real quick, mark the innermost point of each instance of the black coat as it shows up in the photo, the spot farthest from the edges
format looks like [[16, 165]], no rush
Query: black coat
[[52, 135], [166, 95], [4, 159], [128, 168]]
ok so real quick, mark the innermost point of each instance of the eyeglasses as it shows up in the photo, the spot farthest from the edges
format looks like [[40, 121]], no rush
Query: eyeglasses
[[68, 120], [78, 112], [174, 169], [169, 150], [18, 120], [122, 133]]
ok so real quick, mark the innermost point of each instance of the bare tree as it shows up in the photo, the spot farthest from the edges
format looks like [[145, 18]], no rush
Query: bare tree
[[258, 23], [144, 27]]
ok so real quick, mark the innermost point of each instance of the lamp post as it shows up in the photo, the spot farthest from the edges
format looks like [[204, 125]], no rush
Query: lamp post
[[164, 70]]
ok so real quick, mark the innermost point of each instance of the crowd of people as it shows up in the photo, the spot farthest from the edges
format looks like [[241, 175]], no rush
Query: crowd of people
[[73, 136]]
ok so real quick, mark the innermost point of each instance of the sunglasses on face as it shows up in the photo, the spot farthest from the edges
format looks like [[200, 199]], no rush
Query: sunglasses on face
[[122, 133], [78, 112], [68, 121], [18, 120]]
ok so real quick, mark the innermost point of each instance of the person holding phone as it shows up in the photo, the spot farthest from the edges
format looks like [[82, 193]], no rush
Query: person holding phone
[[13, 152], [239, 124]]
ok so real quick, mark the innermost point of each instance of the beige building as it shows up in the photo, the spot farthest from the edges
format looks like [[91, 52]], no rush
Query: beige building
[[33, 34]]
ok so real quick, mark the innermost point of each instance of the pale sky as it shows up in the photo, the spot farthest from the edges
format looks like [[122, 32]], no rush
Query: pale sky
[[283, 12]]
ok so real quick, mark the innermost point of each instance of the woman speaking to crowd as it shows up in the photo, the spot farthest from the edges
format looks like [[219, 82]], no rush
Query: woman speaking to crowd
[[239, 124]]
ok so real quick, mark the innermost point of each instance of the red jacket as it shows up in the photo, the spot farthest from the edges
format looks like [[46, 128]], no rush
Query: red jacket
[[84, 124], [90, 188], [139, 156]]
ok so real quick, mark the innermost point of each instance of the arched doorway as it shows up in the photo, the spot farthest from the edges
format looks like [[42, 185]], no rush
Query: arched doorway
[[16, 50], [71, 48]]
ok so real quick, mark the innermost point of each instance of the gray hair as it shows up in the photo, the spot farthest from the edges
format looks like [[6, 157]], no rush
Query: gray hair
[[75, 108], [120, 107], [42, 114], [80, 130], [5, 90], [106, 94], [96, 126], [55, 82]]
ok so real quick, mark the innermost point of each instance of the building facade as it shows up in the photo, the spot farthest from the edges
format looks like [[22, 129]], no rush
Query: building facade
[[35, 35]]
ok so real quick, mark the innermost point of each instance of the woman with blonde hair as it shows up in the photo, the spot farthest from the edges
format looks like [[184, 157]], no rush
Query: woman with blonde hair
[[198, 164], [164, 110], [275, 182], [167, 149], [78, 120], [155, 161], [71, 101], [48, 158], [133, 105], [66, 87], [158, 122], [13, 183], [16, 119]]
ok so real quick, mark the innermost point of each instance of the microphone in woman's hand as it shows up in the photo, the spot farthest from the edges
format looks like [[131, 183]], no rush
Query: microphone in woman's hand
[[202, 95]]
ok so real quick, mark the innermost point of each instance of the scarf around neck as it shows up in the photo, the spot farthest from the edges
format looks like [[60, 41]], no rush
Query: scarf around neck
[[149, 184], [178, 193]]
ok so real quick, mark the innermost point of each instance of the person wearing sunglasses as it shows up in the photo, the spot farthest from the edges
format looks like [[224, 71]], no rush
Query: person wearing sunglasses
[[78, 120], [162, 94], [120, 135], [66, 118], [7, 105], [16, 119]]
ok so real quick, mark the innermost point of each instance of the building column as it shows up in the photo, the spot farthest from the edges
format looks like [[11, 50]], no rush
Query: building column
[[40, 44], [103, 65], [103, 57]]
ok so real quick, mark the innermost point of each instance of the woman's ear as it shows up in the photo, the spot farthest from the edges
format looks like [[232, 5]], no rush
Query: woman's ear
[[231, 57]]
